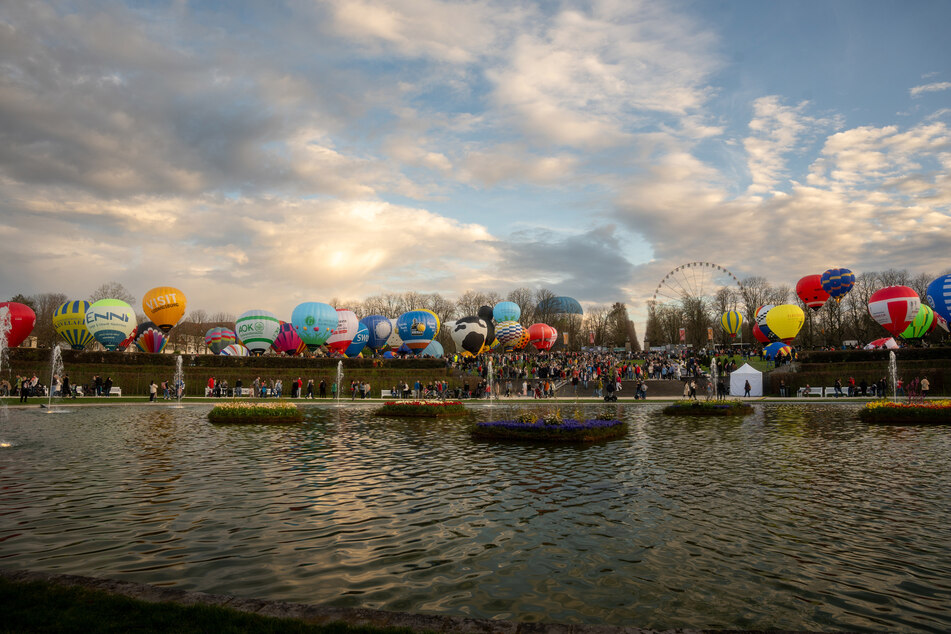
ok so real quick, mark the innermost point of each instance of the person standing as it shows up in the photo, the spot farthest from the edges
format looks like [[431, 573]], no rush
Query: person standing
[[153, 388], [925, 386], [323, 388], [746, 388]]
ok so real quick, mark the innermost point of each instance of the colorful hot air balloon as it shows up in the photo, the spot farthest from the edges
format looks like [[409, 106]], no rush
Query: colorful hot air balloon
[[761, 314], [837, 282], [235, 350], [894, 307], [150, 338], [434, 349], [19, 319], [344, 332], [287, 341], [219, 338], [810, 291], [759, 335], [542, 336], [164, 306], [314, 323], [111, 322], [379, 329], [257, 329], [469, 334], [69, 321], [884, 342], [731, 322], [394, 341], [785, 321], [938, 297], [523, 340], [417, 328], [777, 349], [436, 317], [923, 324], [506, 311], [508, 333], [359, 341]]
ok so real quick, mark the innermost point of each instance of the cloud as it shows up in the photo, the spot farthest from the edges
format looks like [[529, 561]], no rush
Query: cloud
[[917, 91]]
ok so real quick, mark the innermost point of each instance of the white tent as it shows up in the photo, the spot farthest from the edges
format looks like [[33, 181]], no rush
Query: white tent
[[740, 376]]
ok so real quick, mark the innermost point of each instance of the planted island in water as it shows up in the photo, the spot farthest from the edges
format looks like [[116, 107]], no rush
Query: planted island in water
[[550, 428], [907, 413], [255, 413], [708, 408], [422, 409]]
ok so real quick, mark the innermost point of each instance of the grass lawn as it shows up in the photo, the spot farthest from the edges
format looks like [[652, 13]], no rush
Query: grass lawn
[[48, 607]]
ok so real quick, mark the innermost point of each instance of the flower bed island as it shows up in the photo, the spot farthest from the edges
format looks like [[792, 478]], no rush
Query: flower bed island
[[708, 408], [907, 413], [550, 429], [422, 409], [255, 413]]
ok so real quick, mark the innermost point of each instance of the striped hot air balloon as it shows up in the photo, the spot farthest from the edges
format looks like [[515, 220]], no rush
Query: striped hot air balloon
[[256, 329], [288, 341], [219, 337], [837, 282], [69, 321], [508, 333], [731, 322], [938, 297], [922, 324], [150, 338], [235, 350]]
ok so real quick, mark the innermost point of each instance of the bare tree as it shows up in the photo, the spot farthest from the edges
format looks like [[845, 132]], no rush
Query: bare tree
[[44, 305], [595, 321], [526, 304], [112, 290]]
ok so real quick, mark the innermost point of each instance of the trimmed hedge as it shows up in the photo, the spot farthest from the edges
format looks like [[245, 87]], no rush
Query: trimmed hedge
[[422, 409], [924, 413], [568, 431], [877, 356], [708, 408]]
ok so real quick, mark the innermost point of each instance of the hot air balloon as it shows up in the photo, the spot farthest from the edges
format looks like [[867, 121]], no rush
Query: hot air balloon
[[542, 336], [559, 306], [506, 311], [761, 313], [894, 307], [359, 341], [469, 334], [314, 323], [150, 338], [785, 321], [938, 297], [923, 324], [287, 341], [777, 349], [436, 317], [379, 329], [810, 291], [485, 313], [111, 322], [257, 329], [523, 340], [128, 341], [434, 349], [235, 350], [884, 342], [837, 282], [219, 338], [394, 341], [19, 319], [69, 321], [164, 306], [731, 322], [508, 333], [346, 329], [417, 328], [759, 335]]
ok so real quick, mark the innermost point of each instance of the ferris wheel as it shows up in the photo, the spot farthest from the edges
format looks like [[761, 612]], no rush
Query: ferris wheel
[[693, 281]]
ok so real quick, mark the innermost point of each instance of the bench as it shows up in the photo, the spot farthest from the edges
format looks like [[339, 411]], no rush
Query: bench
[[115, 391], [386, 394], [830, 392], [810, 391]]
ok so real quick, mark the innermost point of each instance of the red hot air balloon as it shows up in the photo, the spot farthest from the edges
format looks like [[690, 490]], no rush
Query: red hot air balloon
[[20, 319], [894, 307], [759, 334], [542, 336], [810, 291]]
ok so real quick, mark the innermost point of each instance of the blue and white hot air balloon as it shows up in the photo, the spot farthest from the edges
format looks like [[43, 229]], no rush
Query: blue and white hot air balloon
[[938, 296], [506, 311], [417, 328], [314, 323], [379, 329], [359, 341]]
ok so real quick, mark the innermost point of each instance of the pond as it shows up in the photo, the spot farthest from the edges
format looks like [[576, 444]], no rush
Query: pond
[[795, 517]]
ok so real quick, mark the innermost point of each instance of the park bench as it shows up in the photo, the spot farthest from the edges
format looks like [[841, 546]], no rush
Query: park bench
[[817, 391], [115, 391], [386, 394]]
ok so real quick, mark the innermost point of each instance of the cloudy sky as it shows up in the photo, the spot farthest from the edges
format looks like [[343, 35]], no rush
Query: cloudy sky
[[257, 155]]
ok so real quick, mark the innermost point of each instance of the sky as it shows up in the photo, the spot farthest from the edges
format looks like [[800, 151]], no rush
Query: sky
[[258, 155]]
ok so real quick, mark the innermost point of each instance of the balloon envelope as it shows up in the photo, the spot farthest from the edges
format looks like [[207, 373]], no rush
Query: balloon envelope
[[287, 341], [761, 314], [542, 336], [938, 297], [559, 305], [506, 311], [785, 321], [777, 349], [894, 307], [810, 291], [884, 342], [523, 340], [235, 350], [19, 320], [219, 338], [759, 335], [344, 332], [69, 321], [256, 330], [150, 338], [379, 329], [417, 328], [837, 282], [314, 323], [469, 334], [434, 349], [731, 322], [111, 322], [359, 341], [508, 333], [921, 325], [164, 306]]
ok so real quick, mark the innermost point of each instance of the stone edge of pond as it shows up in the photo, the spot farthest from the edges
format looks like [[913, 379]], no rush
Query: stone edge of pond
[[322, 614]]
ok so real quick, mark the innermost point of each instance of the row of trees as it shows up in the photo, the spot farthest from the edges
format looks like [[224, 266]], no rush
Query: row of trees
[[831, 326]]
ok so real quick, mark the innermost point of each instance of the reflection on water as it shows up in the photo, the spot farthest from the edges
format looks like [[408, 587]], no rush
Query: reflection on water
[[793, 517]]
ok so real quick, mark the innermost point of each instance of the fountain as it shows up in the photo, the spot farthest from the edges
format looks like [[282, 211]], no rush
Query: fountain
[[491, 383], [713, 378], [56, 376], [893, 374], [179, 382], [339, 381]]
